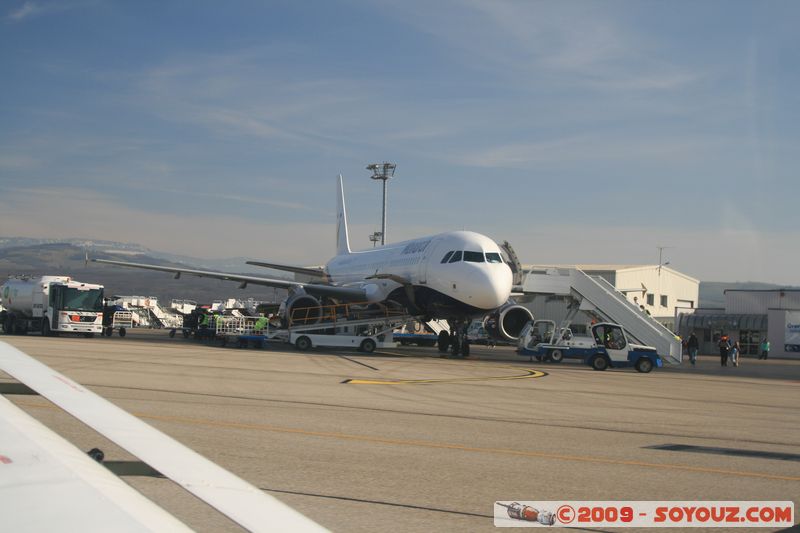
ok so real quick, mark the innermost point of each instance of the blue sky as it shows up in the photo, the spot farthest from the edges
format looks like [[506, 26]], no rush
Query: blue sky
[[588, 132]]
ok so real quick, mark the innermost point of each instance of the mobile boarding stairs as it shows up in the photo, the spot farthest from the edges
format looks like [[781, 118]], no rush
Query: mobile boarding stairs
[[596, 296]]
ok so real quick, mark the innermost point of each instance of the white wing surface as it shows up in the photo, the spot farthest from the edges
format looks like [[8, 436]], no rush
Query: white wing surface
[[239, 500], [47, 484]]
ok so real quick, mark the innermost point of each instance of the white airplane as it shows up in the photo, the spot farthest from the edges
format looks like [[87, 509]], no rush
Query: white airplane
[[455, 276], [47, 484]]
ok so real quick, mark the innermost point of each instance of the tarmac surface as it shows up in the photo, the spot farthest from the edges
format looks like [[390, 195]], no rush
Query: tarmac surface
[[403, 440]]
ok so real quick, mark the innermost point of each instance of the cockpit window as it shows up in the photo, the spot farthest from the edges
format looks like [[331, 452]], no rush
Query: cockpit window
[[447, 256], [474, 257], [493, 257], [456, 257]]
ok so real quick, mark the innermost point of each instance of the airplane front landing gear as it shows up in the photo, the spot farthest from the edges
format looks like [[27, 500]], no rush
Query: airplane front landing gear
[[459, 343]]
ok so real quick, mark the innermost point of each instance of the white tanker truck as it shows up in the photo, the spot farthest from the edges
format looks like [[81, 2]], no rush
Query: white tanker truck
[[51, 304]]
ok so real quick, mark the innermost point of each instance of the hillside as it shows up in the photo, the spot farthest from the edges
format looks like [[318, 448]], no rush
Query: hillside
[[68, 259], [712, 293]]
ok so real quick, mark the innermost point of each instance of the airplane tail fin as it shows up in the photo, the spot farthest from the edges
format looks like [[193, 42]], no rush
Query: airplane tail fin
[[342, 238]]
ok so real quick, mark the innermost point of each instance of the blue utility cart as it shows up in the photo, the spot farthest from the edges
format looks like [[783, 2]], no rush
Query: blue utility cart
[[608, 347]]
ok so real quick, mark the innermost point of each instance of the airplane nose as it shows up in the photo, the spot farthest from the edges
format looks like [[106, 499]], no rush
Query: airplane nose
[[491, 286]]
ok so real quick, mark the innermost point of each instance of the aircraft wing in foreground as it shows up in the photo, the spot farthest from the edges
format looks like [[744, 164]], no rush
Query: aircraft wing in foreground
[[47, 484], [354, 294]]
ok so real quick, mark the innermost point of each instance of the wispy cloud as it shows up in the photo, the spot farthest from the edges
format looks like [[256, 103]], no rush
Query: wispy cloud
[[26, 10], [568, 43], [16, 161], [586, 149], [31, 9], [242, 199]]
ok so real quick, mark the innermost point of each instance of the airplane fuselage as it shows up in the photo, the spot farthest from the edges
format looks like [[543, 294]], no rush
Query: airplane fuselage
[[459, 272]]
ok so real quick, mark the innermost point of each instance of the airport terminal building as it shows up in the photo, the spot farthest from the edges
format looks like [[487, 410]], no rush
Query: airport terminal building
[[749, 316]]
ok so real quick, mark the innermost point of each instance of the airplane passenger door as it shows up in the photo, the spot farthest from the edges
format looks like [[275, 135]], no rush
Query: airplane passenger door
[[427, 256]]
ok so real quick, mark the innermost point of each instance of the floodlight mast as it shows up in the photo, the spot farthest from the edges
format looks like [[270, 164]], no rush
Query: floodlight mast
[[382, 171], [374, 238]]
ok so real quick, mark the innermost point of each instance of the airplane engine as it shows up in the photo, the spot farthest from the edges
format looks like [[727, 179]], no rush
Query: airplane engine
[[302, 308], [507, 322]]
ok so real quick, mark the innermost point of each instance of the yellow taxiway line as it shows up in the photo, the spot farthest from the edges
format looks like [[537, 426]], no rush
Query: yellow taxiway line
[[529, 374]]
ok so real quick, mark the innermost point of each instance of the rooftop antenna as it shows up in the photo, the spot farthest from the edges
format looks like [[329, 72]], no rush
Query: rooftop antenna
[[382, 171], [660, 255]]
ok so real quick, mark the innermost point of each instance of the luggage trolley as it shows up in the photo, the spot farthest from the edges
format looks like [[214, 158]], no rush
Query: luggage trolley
[[245, 330], [121, 321]]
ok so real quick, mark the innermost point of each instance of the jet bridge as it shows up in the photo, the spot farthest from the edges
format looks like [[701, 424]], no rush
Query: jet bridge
[[597, 296]]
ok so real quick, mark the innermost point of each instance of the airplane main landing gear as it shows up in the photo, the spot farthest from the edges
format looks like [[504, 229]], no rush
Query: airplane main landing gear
[[455, 341], [443, 342], [459, 343]]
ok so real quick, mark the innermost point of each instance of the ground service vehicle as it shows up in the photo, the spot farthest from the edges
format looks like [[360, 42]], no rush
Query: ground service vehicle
[[50, 305], [608, 347]]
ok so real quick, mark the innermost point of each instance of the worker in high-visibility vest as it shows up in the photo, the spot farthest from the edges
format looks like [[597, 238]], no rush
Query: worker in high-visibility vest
[[260, 325], [219, 320]]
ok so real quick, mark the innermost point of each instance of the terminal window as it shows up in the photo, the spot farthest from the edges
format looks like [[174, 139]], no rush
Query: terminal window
[[651, 299], [663, 300]]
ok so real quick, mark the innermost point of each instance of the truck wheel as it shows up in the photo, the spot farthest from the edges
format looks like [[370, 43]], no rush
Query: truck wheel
[[443, 341], [599, 362], [108, 331], [122, 332], [19, 327], [302, 343], [46, 331], [644, 365], [172, 333], [367, 346], [556, 356]]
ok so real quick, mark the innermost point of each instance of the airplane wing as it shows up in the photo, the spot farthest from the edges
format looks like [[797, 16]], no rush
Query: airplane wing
[[315, 272], [45, 484], [353, 294]]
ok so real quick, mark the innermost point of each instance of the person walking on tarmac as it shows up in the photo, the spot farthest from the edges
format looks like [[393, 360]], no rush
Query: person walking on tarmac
[[693, 345], [734, 353], [764, 349], [724, 346]]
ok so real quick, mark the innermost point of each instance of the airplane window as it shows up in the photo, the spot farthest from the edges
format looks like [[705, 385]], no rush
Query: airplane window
[[474, 257], [493, 257], [447, 256], [456, 257]]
